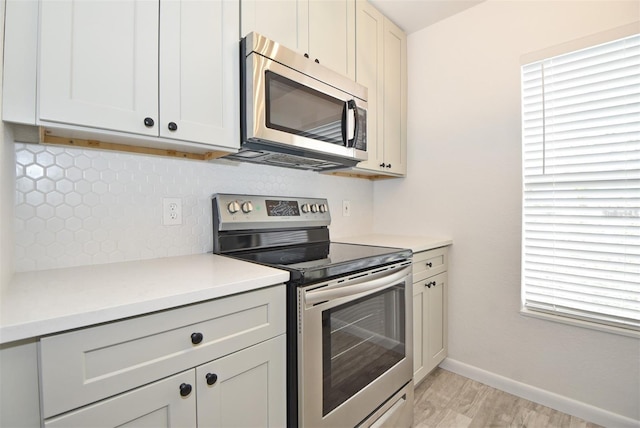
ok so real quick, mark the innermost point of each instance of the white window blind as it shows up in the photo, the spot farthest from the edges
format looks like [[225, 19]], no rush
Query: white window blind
[[581, 176]]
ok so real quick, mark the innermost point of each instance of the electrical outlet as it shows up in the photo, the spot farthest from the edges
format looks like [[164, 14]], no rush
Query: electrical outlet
[[171, 211], [346, 208]]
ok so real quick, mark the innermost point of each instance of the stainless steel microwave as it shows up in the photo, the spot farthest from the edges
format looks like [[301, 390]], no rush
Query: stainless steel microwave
[[296, 112]]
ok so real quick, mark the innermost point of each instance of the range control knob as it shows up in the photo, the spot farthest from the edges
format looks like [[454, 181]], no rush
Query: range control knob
[[323, 208], [305, 208], [233, 207], [247, 207], [314, 208]]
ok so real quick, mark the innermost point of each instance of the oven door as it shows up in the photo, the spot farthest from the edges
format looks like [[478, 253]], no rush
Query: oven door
[[354, 346], [285, 107]]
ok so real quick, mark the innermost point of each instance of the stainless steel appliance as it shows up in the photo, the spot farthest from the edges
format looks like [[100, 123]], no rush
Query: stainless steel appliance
[[349, 311], [297, 113]]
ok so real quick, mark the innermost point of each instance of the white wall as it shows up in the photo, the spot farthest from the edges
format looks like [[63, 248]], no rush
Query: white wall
[[464, 182]]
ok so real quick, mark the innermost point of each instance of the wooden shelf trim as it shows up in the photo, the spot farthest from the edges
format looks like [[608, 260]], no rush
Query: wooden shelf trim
[[102, 145]]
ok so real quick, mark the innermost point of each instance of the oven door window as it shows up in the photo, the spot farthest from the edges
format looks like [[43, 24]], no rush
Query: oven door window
[[300, 110], [360, 341]]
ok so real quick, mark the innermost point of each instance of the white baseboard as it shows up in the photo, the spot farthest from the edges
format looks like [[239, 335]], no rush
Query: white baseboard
[[555, 401]]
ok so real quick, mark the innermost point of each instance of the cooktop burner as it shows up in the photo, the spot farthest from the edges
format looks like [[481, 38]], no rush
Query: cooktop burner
[[313, 262]]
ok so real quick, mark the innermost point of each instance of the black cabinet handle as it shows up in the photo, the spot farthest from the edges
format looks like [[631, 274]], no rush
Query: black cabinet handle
[[148, 122], [430, 284], [388, 165], [172, 126], [211, 378], [429, 264], [185, 389], [306, 55], [382, 165], [196, 338], [317, 61]]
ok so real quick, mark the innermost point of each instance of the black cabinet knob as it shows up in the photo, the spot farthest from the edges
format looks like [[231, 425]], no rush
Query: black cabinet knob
[[388, 165], [211, 378], [429, 264], [196, 338], [382, 165], [306, 55], [173, 126], [185, 389], [148, 122], [430, 284], [317, 61]]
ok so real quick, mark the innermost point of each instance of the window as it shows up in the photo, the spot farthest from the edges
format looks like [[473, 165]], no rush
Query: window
[[581, 178]]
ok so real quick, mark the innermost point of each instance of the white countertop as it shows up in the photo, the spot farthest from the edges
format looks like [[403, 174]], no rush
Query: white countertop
[[415, 243], [43, 302]]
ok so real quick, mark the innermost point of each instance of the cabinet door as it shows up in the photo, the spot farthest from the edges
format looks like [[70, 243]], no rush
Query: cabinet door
[[156, 405], [436, 320], [283, 21], [369, 72], [420, 350], [99, 64], [429, 324], [395, 99], [199, 71], [249, 388], [332, 35]]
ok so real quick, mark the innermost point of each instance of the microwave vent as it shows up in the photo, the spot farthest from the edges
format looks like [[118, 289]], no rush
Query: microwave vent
[[285, 160]]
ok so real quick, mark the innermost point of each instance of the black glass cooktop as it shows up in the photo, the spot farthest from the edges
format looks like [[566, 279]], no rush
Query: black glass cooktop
[[320, 261]]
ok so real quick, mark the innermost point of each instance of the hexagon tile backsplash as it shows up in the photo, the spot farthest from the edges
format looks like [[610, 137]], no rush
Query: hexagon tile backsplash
[[77, 207]]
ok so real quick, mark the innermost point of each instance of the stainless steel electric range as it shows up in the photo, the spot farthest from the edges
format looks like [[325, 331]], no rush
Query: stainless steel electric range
[[349, 310]]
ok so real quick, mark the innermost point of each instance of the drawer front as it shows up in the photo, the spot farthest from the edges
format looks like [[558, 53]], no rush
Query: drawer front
[[429, 263], [87, 365]]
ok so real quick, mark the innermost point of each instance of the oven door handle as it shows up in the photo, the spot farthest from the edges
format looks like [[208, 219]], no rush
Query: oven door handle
[[314, 297]]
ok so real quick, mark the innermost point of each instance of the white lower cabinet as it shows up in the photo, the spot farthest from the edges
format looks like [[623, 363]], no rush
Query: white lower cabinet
[[156, 405], [253, 378], [217, 394], [200, 365], [429, 311]]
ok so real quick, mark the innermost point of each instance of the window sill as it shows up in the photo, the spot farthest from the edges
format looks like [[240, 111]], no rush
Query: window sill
[[580, 323]]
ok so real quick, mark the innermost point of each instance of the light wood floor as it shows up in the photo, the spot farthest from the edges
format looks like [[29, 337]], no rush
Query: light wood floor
[[448, 400]]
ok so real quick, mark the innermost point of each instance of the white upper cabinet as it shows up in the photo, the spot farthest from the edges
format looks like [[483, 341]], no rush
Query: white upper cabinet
[[165, 68], [324, 30], [332, 34], [395, 99], [381, 65], [283, 21], [370, 72], [199, 71], [99, 64]]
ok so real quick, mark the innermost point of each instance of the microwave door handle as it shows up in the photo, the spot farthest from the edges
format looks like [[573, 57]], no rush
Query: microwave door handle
[[317, 296], [345, 130], [351, 106]]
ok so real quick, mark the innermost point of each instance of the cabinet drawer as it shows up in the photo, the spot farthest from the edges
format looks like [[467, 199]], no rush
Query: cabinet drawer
[[84, 366], [429, 263]]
